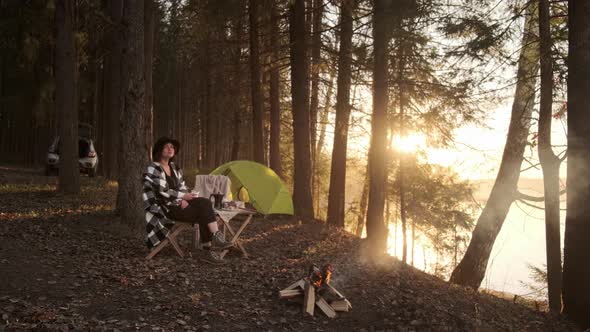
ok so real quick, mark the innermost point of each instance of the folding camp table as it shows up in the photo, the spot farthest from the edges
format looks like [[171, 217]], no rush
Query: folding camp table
[[226, 215]]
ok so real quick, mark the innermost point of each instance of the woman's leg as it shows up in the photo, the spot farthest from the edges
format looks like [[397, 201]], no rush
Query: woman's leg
[[205, 216], [200, 211], [208, 219], [196, 213]]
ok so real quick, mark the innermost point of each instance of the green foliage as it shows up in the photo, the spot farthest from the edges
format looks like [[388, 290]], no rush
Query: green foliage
[[538, 275], [483, 36], [438, 204]]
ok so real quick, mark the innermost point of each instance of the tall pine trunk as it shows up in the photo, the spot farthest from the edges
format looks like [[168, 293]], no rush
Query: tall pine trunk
[[402, 211], [237, 90], [360, 224], [576, 270], [471, 270], [317, 12], [275, 94], [323, 123], [113, 89], [302, 196], [326, 111], [402, 156], [256, 85], [338, 171], [376, 228], [149, 56], [65, 97], [549, 163], [133, 148]]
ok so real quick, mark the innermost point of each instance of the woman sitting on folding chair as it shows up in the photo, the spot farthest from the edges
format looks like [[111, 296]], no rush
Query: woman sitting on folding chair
[[166, 198]]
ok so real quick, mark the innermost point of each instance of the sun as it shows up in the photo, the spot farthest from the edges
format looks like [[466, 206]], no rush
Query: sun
[[409, 143]]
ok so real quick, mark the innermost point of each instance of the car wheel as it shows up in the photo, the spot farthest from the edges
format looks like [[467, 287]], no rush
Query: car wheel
[[91, 172]]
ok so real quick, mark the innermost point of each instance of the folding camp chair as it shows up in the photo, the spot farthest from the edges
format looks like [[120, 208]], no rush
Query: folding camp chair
[[178, 228]]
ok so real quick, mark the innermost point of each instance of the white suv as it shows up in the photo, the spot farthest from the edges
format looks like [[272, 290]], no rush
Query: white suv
[[88, 161]]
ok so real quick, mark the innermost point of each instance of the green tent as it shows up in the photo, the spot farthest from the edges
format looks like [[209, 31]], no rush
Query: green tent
[[265, 190]]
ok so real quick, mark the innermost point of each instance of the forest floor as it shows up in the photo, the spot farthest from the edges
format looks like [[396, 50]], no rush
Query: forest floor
[[66, 263]]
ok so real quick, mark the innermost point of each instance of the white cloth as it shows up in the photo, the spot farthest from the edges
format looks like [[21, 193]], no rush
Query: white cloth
[[206, 185], [227, 215]]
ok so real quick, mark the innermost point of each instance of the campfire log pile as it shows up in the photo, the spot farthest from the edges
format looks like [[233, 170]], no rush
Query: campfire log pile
[[317, 291]]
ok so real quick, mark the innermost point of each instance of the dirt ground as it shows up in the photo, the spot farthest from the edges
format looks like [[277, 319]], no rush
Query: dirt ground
[[67, 264]]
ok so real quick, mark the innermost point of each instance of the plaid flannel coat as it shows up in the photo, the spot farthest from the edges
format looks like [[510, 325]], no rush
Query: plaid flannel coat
[[157, 196]]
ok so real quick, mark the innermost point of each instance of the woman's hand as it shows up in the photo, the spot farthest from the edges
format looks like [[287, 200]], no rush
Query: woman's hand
[[188, 197], [183, 204]]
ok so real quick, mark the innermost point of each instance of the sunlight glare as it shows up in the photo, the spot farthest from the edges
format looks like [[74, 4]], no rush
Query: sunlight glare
[[410, 143]]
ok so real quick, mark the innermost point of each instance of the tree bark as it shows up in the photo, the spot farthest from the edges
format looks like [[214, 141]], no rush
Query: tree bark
[[338, 169], [113, 89], [316, 48], [402, 211], [149, 56], [576, 270], [322, 137], [302, 196], [376, 229], [65, 97], [326, 111], [402, 156], [133, 148], [255, 84], [414, 242], [549, 163], [363, 205], [471, 270], [275, 94], [237, 110]]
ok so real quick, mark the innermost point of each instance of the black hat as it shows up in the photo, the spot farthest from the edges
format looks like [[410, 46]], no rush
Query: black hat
[[159, 146]]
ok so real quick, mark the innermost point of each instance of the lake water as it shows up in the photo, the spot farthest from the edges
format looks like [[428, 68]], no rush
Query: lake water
[[521, 242]]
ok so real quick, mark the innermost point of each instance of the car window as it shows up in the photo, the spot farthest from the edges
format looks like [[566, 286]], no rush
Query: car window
[[83, 148]]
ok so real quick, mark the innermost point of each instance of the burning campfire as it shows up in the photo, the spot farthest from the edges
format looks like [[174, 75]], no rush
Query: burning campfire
[[317, 291]]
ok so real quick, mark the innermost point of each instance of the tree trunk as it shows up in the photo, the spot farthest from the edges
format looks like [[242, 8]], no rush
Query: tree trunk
[[471, 270], [275, 94], [206, 110], [65, 97], [302, 196], [414, 242], [237, 109], [133, 149], [402, 155], [212, 107], [326, 111], [113, 90], [549, 163], [338, 170], [322, 137], [97, 95], [403, 217], [316, 47], [3, 115], [395, 233], [149, 55], [363, 205], [576, 270], [255, 84], [376, 229], [455, 245]]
